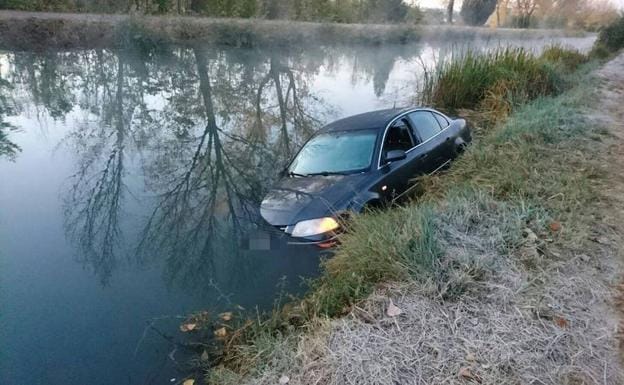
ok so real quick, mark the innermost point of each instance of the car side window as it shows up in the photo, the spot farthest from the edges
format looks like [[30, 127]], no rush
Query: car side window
[[425, 124], [398, 137], [442, 120]]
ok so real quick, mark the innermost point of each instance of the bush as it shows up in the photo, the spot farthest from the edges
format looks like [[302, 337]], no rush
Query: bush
[[599, 51], [612, 36]]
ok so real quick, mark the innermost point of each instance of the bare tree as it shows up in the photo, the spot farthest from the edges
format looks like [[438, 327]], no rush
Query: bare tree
[[525, 10], [93, 207]]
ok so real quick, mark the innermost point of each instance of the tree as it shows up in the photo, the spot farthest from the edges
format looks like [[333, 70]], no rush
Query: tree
[[449, 11], [7, 147], [476, 12], [525, 9]]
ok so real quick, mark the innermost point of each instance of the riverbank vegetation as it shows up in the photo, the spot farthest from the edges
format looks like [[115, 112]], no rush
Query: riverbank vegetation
[[341, 11], [41, 32], [577, 14], [494, 249]]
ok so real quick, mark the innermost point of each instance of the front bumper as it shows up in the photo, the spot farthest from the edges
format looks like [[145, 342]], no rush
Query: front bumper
[[324, 240]]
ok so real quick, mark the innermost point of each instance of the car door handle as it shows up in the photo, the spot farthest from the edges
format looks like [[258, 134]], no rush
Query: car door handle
[[447, 139], [423, 156]]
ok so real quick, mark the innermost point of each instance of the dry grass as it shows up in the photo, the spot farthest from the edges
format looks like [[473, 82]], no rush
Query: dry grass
[[509, 324]]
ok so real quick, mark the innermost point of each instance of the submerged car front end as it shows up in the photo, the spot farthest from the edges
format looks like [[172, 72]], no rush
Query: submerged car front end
[[311, 209]]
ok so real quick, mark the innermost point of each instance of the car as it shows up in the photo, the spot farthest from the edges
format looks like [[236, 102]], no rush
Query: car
[[366, 160]]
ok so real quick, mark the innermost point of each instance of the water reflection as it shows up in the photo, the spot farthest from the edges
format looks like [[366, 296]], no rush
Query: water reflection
[[8, 149], [206, 128]]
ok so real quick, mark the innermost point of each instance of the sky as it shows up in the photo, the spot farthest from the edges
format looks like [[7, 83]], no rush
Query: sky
[[440, 3]]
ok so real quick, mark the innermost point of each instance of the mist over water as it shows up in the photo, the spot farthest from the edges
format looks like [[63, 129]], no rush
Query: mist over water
[[135, 195]]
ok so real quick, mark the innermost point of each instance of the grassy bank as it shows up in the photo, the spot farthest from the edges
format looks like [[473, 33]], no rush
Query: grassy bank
[[31, 30], [502, 238]]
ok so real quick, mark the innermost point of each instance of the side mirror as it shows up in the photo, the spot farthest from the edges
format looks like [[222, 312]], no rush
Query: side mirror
[[394, 155]]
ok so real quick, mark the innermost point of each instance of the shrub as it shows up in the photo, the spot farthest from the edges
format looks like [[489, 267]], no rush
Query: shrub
[[612, 36], [599, 51]]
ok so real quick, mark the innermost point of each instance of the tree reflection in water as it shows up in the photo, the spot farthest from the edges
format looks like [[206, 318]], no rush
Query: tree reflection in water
[[8, 149], [207, 129]]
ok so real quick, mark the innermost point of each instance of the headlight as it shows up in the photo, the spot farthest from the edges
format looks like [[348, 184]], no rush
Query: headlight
[[314, 227]]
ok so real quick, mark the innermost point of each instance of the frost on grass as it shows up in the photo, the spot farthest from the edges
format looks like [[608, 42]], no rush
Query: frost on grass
[[501, 308]]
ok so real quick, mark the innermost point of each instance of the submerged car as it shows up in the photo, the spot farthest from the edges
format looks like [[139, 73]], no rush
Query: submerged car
[[362, 161]]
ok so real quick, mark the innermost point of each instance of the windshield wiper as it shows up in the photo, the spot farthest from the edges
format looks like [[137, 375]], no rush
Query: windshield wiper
[[327, 173], [291, 174]]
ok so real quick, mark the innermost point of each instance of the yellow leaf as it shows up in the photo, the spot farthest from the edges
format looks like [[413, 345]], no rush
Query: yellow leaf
[[226, 316], [190, 381], [187, 327], [220, 333]]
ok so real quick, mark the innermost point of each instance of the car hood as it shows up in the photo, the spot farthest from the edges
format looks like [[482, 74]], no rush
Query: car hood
[[296, 199]]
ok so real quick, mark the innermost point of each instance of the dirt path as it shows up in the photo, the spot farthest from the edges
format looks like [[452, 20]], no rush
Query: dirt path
[[612, 105]]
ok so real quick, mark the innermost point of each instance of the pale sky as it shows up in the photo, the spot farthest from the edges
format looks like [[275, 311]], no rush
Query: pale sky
[[440, 3]]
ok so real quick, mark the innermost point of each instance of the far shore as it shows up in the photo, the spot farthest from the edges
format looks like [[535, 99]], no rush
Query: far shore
[[45, 30]]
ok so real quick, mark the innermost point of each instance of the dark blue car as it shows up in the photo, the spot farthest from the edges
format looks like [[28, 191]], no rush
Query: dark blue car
[[365, 160]]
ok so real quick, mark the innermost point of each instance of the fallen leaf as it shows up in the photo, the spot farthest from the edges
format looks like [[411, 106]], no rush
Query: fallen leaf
[[470, 357], [190, 381], [466, 373], [602, 240], [555, 226], [284, 380], [220, 333], [560, 321], [226, 316], [204, 356], [187, 327], [393, 310]]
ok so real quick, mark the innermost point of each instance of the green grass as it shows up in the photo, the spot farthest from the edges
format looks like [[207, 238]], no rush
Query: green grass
[[494, 83], [382, 246], [542, 154], [539, 160]]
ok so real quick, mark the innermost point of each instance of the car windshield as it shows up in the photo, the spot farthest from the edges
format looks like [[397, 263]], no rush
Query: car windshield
[[335, 153]]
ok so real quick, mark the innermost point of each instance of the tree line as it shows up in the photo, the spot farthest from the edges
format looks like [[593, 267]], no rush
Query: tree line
[[584, 14], [344, 11], [579, 14]]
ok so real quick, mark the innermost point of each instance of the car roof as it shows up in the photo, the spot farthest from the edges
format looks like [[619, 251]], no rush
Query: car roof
[[369, 120]]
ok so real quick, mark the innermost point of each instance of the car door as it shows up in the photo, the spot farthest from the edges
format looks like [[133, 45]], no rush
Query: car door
[[449, 135], [433, 150], [397, 174]]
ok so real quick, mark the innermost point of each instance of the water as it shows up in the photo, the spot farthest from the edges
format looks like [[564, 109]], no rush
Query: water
[[133, 200]]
